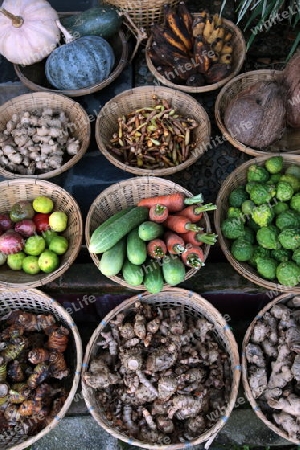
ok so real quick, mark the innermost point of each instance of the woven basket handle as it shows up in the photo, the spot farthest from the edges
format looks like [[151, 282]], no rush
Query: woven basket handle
[[139, 33]]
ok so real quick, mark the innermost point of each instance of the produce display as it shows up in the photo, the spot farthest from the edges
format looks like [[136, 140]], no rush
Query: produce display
[[144, 249], [32, 365], [36, 142], [29, 236], [272, 359], [192, 51], [158, 374], [258, 115], [154, 137], [262, 222]]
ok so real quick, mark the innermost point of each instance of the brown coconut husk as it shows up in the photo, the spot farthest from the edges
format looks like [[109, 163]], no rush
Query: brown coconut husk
[[291, 81], [257, 115]]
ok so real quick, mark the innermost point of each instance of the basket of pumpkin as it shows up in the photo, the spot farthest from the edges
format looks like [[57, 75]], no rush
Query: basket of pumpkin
[[74, 54]]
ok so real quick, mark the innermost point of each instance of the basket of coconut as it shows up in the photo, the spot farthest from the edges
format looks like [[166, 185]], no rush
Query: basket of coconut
[[175, 363], [258, 111], [271, 366]]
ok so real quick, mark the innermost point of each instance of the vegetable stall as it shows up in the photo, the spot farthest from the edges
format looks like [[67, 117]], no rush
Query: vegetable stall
[[164, 225]]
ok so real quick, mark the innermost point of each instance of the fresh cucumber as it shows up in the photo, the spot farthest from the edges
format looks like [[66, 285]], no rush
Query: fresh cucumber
[[153, 277], [132, 273], [173, 270], [136, 247], [112, 260], [149, 230], [109, 234]]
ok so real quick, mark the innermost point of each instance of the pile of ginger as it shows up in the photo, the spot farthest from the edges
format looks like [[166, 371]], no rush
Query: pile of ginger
[[273, 365], [36, 142]]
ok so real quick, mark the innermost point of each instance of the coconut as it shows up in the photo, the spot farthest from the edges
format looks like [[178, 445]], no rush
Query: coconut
[[291, 80], [257, 115]]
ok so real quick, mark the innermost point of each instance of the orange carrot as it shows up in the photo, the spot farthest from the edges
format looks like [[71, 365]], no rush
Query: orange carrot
[[180, 224], [190, 238], [174, 202], [194, 212], [174, 243], [156, 248], [199, 238], [193, 257], [158, 213]]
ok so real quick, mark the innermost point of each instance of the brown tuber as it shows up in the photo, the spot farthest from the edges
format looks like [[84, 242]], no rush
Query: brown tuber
[[256, 116]]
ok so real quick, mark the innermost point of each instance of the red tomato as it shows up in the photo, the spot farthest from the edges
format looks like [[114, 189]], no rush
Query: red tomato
[[41, 221]]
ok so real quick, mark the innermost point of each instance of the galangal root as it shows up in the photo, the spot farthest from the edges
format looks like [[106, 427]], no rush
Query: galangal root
[[31, 363], [37, 142], [159, 373], [273, 365]]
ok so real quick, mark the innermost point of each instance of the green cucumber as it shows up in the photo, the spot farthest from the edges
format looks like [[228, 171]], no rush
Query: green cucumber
[[153, 277], [132, 273], [136, 247], [103, 21], [108, 221], [110, 234], [173, 270], [149, 230], [112, 260]]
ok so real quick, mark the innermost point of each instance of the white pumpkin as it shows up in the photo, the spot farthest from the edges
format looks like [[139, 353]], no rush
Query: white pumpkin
[[28, 30]]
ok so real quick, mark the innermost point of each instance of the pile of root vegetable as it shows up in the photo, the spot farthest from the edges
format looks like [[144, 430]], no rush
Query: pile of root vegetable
[[36, 142], [32, 365], [273, 365], [159, 373]]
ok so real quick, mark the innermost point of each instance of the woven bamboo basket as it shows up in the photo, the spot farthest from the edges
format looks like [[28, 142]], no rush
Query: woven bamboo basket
[[27, 189], [235, 179], [81, 128], [239, 54], [33, 76], [128, 193], [261, 414], [132, 99], [289, 142], [194, 306], [143, 13], [37, 302]]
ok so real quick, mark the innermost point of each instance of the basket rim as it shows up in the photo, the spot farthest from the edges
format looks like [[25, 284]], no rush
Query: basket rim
[[77, 373], [219, 119], [159, 90], [117, 186], [85, 139], [208, 87], [238, 266], [46, 278], [235, 365], [247, 389], [88, 90]]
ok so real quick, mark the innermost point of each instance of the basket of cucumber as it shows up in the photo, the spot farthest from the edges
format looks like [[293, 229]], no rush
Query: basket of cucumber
[[139, 234]]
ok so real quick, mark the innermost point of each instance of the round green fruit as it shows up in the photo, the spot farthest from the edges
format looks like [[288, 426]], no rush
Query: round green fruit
[[34, 245], [48, 235], [58, 221], [59, 245], [15, 260], [48, 261], [30, 265], [42, 204]]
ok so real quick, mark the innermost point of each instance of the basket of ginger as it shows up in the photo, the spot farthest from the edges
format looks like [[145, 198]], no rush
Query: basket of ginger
[[147, 233]]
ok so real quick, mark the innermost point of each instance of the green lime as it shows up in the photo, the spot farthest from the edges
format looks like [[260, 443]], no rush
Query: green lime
[[42, 204], [34, 245], [15, 260], [59, 245], [30, 265], [58, 221], [48, 261]]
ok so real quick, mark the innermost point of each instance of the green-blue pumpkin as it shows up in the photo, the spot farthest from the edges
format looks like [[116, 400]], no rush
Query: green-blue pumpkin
[[80, 64]]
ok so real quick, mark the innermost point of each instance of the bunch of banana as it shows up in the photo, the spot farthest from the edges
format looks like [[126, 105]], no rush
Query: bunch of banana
[[192, 51]]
